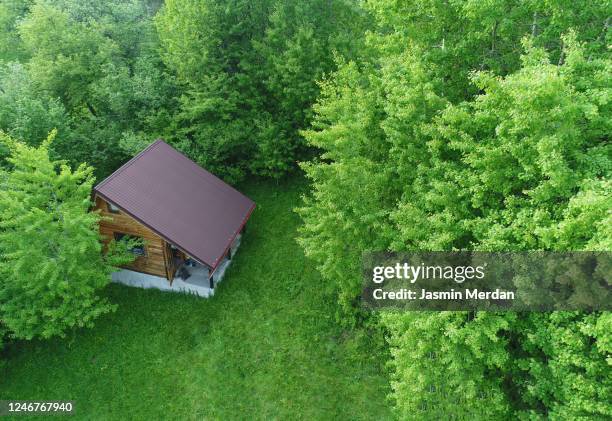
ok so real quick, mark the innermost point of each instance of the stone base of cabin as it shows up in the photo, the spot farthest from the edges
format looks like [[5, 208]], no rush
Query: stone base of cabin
[[144, 280]]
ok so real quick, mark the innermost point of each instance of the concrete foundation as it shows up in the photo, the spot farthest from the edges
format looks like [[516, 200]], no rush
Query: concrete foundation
[[144, 280]]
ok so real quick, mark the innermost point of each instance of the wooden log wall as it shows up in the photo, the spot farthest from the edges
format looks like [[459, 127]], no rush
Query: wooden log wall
[[156, 257]]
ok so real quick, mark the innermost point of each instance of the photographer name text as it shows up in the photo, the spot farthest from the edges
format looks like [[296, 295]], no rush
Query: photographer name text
[[467, 294]]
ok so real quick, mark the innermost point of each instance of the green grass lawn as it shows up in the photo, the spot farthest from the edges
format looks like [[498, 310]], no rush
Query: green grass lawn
[[265, 346]]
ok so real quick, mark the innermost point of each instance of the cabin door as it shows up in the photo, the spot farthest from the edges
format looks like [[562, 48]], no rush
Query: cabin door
[[171, 262], [174, 260]]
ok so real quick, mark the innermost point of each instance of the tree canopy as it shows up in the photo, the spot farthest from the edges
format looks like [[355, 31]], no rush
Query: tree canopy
[[471, 126], [51, 261], [248, 72]]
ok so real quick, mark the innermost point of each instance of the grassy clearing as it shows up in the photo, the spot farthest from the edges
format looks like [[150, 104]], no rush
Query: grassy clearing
[[265, 346]]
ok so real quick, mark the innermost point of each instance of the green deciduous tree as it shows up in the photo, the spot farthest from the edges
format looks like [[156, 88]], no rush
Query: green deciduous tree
[[67, 55], [249, 71], [298, 49], [464, 36], [497, 175], [28, 114], [450, 365], [10, 44], [51, 262], [563, 371], [207, 43], [99, 59]]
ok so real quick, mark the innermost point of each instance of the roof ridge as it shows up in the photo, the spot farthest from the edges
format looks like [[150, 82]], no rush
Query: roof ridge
[[127, 164]]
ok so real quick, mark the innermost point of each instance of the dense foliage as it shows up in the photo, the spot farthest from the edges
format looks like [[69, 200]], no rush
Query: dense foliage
[[51, 262], [91, 70], [444, 135], [248, 72], [230, 83]]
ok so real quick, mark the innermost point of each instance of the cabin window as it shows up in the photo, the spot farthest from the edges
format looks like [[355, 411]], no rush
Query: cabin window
[[112, 208], [137, 250]]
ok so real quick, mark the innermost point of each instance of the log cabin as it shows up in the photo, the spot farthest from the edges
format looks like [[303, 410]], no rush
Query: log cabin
[[190, 222]]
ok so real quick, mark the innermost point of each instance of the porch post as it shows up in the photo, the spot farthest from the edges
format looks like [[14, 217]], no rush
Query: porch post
[[211, 275]]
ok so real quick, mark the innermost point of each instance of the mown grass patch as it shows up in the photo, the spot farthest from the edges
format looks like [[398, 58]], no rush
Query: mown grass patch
[[265, 346]]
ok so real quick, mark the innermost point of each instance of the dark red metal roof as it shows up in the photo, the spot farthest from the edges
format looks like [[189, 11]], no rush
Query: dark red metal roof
[[179, 200]]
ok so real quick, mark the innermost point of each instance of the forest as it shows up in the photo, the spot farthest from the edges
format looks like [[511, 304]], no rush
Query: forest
[[379, 125]]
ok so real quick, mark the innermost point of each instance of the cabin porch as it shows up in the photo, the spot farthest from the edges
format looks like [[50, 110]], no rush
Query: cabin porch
[[191, 277]]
